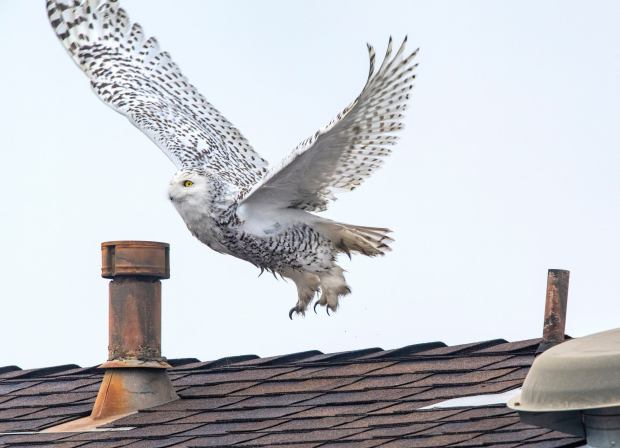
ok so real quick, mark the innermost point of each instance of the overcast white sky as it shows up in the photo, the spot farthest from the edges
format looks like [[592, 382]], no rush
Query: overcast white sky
[[508, 166]]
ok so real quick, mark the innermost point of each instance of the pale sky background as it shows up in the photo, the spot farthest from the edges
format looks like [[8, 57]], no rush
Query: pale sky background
[[508, 166]]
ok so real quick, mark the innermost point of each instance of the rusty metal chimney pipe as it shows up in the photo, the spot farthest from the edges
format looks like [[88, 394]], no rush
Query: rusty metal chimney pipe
[[135, 373], [135, 268], [555, 309]]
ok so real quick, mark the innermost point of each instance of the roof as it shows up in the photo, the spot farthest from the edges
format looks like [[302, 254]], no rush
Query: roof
[[362, 399]]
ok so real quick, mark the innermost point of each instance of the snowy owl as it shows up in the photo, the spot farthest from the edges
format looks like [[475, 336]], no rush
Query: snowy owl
[[225, 192]]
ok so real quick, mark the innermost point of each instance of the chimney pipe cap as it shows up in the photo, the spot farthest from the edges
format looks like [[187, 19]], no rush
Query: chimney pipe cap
[[135, 259]]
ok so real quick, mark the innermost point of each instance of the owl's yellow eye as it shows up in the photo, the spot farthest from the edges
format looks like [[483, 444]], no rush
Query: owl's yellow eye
[[188, 183]]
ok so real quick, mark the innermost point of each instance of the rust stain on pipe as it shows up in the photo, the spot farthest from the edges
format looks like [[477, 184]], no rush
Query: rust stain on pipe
[[555, 309], [135, 319]]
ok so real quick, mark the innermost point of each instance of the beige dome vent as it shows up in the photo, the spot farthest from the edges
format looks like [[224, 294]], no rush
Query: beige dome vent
[[574, 387]]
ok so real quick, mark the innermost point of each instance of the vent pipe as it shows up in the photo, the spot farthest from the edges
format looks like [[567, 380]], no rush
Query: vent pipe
[[135, 373], [555, 309]]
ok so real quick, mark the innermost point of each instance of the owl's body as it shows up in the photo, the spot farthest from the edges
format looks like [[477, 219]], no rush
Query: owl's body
[[224, 191], [291, 242]]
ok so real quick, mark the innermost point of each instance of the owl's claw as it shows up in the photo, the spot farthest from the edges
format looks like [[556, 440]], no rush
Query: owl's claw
[[295, 310], [327, 307]]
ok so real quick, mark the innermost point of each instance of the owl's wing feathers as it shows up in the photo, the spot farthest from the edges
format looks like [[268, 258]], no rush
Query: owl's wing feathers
[[132, 75], [348, 150]]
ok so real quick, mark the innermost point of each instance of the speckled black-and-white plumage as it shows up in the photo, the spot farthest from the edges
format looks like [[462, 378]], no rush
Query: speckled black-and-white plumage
[[223, 190]]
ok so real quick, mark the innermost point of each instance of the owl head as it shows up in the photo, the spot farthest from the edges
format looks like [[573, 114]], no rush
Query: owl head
[[186, 185]]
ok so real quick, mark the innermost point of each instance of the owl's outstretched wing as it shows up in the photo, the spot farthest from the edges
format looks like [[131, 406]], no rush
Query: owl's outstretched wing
[[132, 75], [348, 150]]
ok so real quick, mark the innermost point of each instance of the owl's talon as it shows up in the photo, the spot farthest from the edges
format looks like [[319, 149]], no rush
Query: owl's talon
[[314, 308], [297, 310], [327, 309]]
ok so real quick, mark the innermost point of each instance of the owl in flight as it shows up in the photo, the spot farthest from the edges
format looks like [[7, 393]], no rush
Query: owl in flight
[[224, 190]]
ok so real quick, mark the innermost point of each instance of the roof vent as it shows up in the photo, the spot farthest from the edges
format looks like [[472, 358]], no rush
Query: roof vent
[[575, 388], [135, 373]]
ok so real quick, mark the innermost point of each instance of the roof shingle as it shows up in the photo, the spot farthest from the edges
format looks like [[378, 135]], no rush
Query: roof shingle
[[362, 399]]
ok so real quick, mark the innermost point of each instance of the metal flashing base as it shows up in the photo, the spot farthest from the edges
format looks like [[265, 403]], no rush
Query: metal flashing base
[[123, 391]]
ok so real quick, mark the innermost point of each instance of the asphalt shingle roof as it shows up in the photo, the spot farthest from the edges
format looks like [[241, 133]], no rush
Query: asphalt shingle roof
[[363, 399]]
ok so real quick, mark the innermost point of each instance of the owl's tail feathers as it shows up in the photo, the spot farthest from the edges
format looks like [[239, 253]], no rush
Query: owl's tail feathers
[[369, 241]]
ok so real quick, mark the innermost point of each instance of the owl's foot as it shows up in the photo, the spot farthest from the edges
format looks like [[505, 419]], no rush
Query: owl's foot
[[307, 286], [333, 286]]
